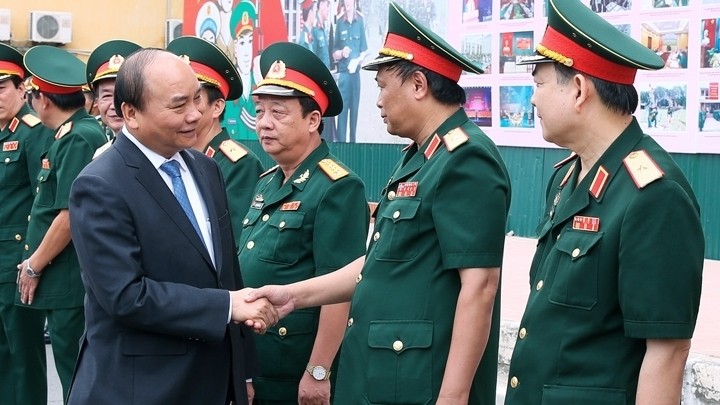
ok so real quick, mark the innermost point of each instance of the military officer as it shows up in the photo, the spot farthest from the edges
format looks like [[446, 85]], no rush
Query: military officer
[[101, 71], [23, 141], [424, 320], [220, 81], [321, 48], [49, 275], [615, 282], [309, 217]]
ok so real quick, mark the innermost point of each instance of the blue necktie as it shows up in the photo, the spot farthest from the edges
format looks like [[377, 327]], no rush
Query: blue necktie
[[172, 168]]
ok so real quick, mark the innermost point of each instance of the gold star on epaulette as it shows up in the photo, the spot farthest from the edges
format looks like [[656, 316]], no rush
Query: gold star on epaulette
[[63, 130], [332, 169], [30, 120], [642, 168], [233, 150]]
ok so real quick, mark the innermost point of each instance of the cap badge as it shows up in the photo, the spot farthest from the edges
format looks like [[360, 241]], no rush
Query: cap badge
[[115, 61], [185, 59], [245, 18], [277, 70]]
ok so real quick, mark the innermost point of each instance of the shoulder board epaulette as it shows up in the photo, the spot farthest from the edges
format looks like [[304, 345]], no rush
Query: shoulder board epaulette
[[642, 168], [565, 161], [13, 124], [332, 169], [63, 130], [99, 151], [455, 138], [268, 171], [233, 150], [30, 120]]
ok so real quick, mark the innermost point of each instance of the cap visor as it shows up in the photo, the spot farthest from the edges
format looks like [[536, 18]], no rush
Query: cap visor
[[533, 59], [274, 90], [380, 60]]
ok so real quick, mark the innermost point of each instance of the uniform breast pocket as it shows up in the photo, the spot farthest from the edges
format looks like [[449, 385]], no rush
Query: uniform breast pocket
[[576, 278], [283, 241], [395, 234], [11, 169], [45, 188], [400, 362], [344, 36], [568, 395]]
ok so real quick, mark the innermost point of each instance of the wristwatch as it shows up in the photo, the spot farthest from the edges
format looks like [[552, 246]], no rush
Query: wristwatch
[[30, 272], [319, 373]]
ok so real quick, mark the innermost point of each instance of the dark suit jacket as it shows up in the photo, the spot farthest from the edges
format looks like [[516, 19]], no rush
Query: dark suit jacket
[[156, 308]]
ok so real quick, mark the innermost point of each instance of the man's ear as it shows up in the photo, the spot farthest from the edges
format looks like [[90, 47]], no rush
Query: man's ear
[[218, 108], [129, 113], [314, 120], [583, 88], [420, 84]]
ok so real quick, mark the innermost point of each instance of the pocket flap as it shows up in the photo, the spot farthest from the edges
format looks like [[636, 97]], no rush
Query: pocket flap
[[401, 208], [287, 220], [15, 233], [251, 217], [400, 336], [577, 243], [296, 323]]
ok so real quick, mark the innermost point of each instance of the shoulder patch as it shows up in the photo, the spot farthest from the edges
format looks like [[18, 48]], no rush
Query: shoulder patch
[[99, 151], [233, 150], [565, 161], [642, 168], [332, 169], [455, 138], [30, 120], [268, 171], [64, 130]]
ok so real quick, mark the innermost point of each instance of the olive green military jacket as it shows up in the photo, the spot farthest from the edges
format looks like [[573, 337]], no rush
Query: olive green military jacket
[[75, 143], [23, 141], [444, 208], [619, 260], [313, 224], [241, 170]]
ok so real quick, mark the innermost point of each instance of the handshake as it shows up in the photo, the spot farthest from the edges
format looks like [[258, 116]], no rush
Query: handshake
[[261, 308]]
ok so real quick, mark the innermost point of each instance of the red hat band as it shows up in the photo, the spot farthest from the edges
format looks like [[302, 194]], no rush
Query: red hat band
[[298, 81], [569, 53], [41, 85], [8, 68], [208, 75], [420, 55]]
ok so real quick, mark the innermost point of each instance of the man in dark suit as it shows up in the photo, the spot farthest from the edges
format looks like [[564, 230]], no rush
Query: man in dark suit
[[153, 235]]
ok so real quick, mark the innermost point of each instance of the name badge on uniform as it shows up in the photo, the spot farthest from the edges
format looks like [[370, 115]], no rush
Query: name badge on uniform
[[290, 206], [46, 164], [581, 223], [407, 189], [10, 146], [258, 202]]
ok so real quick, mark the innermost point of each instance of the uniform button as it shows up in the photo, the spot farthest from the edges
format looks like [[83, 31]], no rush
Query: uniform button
[[391, 195], [18, 237], [397, 345], [250, 245], [539, 285], [514, 382], [28, 218], [27, 247], [576, 252], [358, 278], [350, 322], [7, 160], [41, 178], [282, 331], [557, 237], [396, 214], [522, 333], [265, 217], [376, 236], [37, 189], [281, 225], [246, 221]]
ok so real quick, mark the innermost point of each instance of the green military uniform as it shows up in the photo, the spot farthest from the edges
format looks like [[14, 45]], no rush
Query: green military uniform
[[60, 291], [22, 348], [240, 113], [620, 251], [444, 209], [310, 224]]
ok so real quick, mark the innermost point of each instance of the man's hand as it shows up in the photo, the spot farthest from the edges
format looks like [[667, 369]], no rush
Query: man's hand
[[313, 392], [26, 284], [250, 392], [278, 295], [259, 314]]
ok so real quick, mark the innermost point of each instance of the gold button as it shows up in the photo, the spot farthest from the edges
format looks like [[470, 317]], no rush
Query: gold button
[[18, 237], [522, 333], [397, 345], [350, 322], [27, 247], [37, 189], [250, 245], [514, 382], [28, 218], [376, 236], [282, 331], [265, 217], [246, 221], [282, 224], [576, 252], [358, 278], [391, 195], [7, 160], [41, 178], [396, 214], [539, 285]]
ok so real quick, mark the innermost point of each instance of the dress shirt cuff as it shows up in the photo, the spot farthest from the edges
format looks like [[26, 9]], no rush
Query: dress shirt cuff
[[229, 318]]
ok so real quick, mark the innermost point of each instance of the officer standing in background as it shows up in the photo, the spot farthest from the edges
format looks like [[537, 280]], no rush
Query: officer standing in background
[[49, 275], [220, 82], [101, 71], [23, 378], [616, 279], [309, 217], [321, 48]]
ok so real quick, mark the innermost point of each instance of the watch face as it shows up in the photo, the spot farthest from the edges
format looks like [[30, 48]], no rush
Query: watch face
[[318, 373]]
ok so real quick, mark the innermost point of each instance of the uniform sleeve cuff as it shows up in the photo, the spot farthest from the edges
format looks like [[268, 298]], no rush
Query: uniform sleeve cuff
[[659, 330]]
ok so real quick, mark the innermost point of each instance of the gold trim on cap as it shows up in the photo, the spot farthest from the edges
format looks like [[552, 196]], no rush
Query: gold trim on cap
[[208, 79], [287, 83], [396, 54], [554, 55]]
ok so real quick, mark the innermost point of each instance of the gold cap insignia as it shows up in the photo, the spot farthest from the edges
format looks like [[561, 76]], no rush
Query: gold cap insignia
[[185, 59], [277, 70], [116, 61], [245, 18]]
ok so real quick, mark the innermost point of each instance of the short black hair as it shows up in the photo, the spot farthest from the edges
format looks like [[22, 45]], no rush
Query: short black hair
[[65, 102], [444, 90], [308, 105], [130, 81], [620, 98], [213, 94]]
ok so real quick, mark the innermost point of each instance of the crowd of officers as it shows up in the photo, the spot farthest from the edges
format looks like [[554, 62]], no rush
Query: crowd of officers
[[409, 316]]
